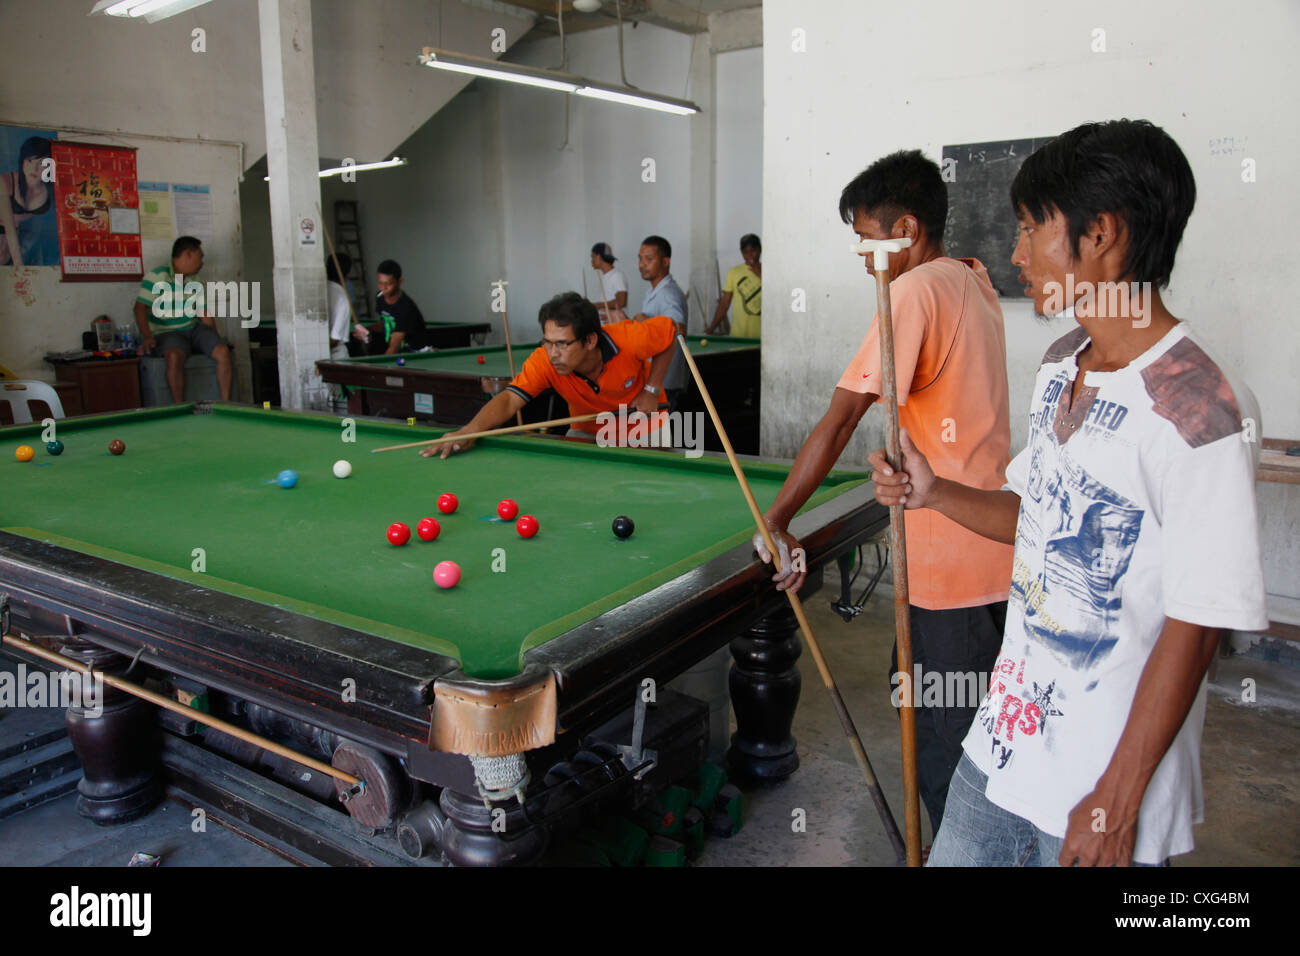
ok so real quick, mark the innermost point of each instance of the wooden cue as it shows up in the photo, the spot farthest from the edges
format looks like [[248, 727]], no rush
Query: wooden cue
[[608, 318], [493, 432], [176, 707], [902, 612], [510, 357], [846, 720]]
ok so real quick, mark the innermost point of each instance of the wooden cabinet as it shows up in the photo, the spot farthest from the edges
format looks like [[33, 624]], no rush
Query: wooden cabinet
[[106, 385]]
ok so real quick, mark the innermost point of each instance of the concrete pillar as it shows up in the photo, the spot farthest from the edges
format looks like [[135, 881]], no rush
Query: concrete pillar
[[289, 101], [704, 162]]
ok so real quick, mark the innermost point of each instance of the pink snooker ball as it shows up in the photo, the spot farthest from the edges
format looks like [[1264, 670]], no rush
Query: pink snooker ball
[[446, 574]]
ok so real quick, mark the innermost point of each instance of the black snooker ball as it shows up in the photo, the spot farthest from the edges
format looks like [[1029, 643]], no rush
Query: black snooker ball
[[623, 527]]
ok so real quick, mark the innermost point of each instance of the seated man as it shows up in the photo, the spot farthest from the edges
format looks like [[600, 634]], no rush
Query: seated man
[[400, 321], [180, 328], [1132, 512], [594, 368]]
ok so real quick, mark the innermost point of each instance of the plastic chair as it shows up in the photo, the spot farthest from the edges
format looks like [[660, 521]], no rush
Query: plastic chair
[[18, 394]]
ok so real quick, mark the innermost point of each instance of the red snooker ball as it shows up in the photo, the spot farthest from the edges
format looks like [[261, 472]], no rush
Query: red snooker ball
[[428, 529], [399, 533], [117, 446], [507, 510], [527, 526], [446, 574], [447, 503], [481, 360]]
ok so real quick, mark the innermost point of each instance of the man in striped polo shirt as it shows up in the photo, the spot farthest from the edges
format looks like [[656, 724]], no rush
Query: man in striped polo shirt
[[174, 322]]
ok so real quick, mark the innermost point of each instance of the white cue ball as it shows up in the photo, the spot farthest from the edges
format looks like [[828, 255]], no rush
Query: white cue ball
[[342, 469]]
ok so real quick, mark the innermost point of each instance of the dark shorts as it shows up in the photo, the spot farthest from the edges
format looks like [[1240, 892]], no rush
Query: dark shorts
[[199, 337]]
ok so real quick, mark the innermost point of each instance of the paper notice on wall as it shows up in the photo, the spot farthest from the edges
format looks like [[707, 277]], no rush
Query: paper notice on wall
[[192, 206], [125, 222], [156, 211]]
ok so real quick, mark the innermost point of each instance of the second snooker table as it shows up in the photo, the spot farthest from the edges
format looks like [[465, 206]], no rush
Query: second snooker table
[[450, 386], [288, 609]]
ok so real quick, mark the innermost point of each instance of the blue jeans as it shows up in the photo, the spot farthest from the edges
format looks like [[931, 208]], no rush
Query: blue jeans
[[977, 832]]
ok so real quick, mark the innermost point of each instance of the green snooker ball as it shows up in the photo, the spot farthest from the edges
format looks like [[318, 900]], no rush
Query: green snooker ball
[[55, 447]]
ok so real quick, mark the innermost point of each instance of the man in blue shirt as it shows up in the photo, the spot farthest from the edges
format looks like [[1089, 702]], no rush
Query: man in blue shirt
[[664, 298]]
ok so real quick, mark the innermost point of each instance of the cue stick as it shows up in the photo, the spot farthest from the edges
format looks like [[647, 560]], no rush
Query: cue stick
[[880, 250], [510, 356], [176, 707], [608, 314], [493, 432], [846, 721]]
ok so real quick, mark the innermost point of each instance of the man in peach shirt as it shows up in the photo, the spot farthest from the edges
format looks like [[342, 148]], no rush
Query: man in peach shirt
[[950, 361]]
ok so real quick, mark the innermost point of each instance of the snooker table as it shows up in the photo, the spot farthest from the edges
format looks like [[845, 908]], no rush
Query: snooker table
[[439, 335], [450, 386], [288, 609]]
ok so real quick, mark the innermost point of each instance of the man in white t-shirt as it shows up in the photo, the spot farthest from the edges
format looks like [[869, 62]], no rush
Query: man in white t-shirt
[[1132, 512], [611, 301], [340, 311]]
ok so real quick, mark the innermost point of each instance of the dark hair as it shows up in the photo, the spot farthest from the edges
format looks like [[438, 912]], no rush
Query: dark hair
[[603, 250], [34, 147], [390, 268], [659, 242], [572, 311], [1131, 168], [750, 241], [184, 244], [345, 264], [902, 183]]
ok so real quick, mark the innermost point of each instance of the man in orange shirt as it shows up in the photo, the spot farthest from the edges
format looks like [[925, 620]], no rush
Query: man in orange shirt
[[593, 368], [950, 361]]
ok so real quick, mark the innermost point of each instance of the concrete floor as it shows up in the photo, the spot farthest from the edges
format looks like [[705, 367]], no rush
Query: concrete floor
[[1250, 762]]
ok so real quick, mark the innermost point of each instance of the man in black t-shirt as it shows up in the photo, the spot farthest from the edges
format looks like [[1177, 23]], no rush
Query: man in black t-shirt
[[402, 325]]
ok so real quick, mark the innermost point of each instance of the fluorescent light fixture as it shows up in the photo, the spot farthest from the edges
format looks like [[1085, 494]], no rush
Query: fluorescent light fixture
[[357, 168], [151, 10], [649, 101], [553, 80], [492, 70]]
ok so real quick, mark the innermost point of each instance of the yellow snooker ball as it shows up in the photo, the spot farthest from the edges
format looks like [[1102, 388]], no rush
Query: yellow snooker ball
[[24, 453], [703, 342]]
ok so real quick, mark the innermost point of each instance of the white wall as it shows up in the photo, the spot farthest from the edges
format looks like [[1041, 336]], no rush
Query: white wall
[[490, 193], [876, 78], [740, 154], [558, 202]]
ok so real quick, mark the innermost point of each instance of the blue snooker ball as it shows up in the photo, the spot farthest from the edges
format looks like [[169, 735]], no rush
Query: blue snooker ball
[[287, 478], [55, 447], [401, 361]]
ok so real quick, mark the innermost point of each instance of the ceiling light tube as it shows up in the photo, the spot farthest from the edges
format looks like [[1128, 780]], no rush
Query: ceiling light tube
[[493, 70], [356, 168], [648, 101]]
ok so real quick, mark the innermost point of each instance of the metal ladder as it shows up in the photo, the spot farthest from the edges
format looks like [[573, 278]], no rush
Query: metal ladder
[[347, 233]]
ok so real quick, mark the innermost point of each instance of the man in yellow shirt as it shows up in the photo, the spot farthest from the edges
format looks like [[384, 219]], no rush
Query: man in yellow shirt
[[745, 282]]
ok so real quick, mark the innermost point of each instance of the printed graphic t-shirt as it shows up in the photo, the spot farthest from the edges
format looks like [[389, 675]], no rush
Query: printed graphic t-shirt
[[746, 301], [1137, 504]]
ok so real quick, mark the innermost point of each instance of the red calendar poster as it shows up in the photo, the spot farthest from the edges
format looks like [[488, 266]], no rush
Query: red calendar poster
[[98, 208]]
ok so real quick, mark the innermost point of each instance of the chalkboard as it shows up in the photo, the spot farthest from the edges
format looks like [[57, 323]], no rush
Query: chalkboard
[[981, 223]]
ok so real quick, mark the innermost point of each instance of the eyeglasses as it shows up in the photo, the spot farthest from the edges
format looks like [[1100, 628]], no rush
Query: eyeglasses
[[553, 344]]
